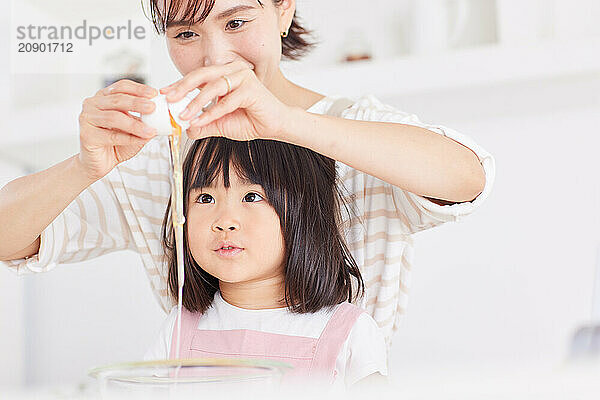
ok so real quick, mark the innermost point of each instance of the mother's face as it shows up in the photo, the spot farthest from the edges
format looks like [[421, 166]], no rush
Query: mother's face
[[234, 29]]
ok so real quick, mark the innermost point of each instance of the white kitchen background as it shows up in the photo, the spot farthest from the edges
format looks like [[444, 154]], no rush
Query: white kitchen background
[[510, 285]]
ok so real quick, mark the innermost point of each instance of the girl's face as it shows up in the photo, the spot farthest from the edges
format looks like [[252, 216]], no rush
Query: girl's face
[[234, 29], [240, 215]]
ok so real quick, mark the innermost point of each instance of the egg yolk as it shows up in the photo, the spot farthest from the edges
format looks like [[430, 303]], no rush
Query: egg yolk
[[175, 125]]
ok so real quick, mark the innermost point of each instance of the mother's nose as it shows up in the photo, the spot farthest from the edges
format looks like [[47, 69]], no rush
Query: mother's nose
[[213, 51]]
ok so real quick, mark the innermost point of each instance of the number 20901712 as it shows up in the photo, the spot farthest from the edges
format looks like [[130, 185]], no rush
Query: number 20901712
[[26, 47]]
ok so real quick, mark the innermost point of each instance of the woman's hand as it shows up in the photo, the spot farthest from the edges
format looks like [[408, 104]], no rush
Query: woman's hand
[[108, 134], [248, 111]]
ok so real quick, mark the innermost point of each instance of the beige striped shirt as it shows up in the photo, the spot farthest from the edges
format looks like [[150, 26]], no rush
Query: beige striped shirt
[[125, 209]]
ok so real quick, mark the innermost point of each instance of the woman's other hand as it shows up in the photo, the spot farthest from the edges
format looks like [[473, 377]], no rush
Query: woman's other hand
[[245, 111], [108, 133]]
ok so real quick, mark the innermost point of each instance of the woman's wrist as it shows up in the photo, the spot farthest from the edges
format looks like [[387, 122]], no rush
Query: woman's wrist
[[313, 131], [79, 173], [296, 127]]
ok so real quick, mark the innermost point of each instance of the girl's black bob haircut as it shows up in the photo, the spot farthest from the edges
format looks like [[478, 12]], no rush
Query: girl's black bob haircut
[[293, 47], [302, 187]]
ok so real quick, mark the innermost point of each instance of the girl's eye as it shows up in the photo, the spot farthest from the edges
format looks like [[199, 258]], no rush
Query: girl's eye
[[236, 24], [205, 198], [184, 35], [252, 196]]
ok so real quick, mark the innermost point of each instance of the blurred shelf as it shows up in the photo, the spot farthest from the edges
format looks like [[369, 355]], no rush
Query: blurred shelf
[[465, 68]]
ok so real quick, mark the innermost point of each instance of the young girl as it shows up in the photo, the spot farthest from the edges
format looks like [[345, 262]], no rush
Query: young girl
[[268, 274]]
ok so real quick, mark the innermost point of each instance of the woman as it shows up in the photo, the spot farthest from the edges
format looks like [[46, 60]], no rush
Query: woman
[[400, 175]]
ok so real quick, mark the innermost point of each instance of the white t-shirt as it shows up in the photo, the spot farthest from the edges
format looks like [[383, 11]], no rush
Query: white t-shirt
[[362, 354]]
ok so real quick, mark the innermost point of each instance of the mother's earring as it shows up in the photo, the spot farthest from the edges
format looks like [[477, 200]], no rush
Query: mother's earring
[[284, 34]]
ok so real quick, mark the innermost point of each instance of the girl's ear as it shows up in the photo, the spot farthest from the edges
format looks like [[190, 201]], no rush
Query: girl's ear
[[287, 8]]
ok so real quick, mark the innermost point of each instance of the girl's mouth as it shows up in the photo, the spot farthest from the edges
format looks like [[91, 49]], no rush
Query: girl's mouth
[[229, 251]]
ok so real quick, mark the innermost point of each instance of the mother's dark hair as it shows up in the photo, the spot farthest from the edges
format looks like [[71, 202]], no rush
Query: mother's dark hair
[[302, 186], [293, 47]]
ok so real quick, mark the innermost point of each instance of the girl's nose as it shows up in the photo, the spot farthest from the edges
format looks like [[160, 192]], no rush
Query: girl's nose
[[218, 228], [225, 226]]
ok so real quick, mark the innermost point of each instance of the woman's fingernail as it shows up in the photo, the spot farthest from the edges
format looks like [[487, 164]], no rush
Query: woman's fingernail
[[185, 114]]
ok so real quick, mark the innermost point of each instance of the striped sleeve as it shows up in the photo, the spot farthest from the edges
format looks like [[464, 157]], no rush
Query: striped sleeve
[[416, 212], [382, 217], [92, 225]]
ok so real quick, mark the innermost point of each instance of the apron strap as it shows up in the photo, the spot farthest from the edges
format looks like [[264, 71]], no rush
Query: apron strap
[[333, 337], [189, 324]]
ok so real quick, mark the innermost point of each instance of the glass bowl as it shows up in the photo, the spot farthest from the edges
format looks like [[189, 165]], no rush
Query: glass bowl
[[187, 377]]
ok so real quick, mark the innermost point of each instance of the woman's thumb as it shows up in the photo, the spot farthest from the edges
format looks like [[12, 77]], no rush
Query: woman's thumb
[[201, 132]]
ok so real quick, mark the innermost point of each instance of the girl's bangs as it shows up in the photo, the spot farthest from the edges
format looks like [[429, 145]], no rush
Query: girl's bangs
[[214, 156]]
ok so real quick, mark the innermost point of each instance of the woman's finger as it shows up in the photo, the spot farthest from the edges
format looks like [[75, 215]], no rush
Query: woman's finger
[[202, 132], [224, 106], [111, 137], [202, 76], [125, 102], [169, 87], [121, 121], [130, 87], [218, 88]]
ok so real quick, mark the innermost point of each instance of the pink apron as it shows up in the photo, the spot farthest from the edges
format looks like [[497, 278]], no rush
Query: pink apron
[[308, 356]]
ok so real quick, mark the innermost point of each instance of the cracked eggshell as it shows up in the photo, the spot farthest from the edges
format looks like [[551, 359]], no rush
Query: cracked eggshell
[[178, 107], [160, 120]]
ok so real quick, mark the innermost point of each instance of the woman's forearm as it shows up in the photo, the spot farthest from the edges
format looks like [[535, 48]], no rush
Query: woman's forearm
[[410, 157], [30, 203]]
